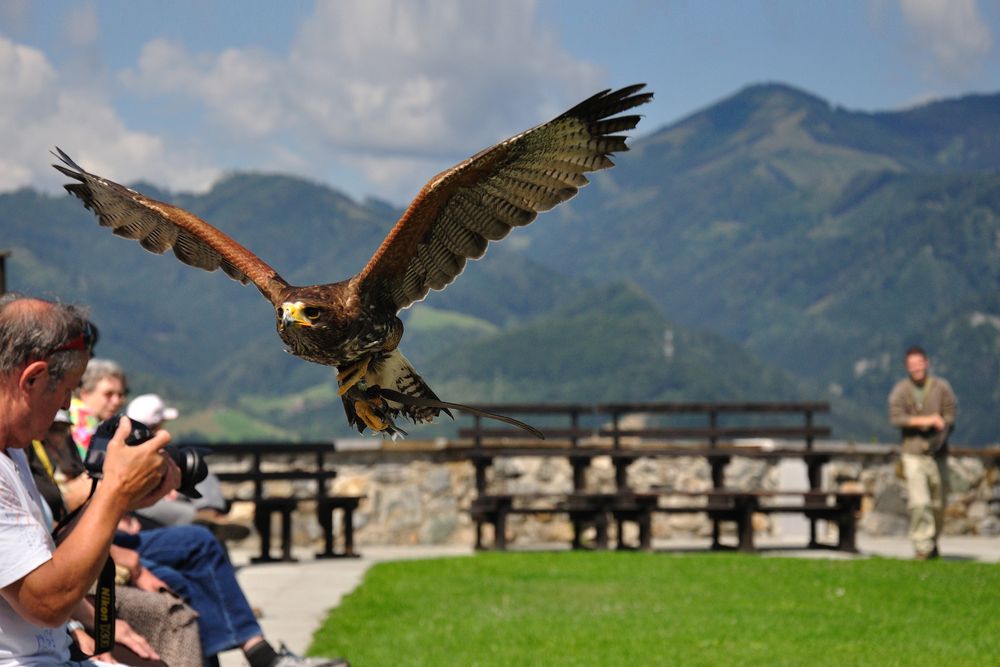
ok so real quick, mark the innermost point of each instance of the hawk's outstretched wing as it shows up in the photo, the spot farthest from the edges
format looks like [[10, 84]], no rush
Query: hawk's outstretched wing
[[159, 227], [461, 210]]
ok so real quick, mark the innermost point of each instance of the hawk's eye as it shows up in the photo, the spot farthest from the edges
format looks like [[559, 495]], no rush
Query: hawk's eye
[[311, 312]]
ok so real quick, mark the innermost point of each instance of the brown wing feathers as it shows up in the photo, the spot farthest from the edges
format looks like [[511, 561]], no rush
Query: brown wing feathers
[[461, 210], [159, 227]]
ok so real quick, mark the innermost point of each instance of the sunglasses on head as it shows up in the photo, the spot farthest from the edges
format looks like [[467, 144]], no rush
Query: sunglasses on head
[[83, 342]]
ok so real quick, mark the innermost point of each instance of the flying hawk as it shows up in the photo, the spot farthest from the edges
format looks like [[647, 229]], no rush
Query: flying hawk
[[353, 324]]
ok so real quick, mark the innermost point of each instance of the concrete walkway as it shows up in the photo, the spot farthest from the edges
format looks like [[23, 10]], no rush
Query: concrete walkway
[[296, 597]]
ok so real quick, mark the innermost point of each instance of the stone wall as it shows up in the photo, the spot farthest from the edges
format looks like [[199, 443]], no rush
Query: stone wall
[[422, 497], [973, 506]]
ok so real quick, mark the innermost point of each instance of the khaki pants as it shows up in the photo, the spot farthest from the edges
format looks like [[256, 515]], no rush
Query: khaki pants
[[926, 487]]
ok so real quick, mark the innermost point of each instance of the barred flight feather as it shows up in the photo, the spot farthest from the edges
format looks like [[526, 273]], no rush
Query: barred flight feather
[[480, 219], [535, 197], [160, 238], [605, 145], [545, 179], [511, 212], [443, 257], [578, 155], [460, 239], [137, 229], [612, 125], [437, 276]]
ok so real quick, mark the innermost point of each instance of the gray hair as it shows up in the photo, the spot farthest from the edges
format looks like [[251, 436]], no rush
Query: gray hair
[[32, 329], [97, 370]]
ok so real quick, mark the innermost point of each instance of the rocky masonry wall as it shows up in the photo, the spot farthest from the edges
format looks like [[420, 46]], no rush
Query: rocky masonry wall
[[418, 498]]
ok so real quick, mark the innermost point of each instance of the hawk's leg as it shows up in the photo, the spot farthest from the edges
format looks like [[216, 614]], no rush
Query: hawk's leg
[[371, 414], [351, 375]]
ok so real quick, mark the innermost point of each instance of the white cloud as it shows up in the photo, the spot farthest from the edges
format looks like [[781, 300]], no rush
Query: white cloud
[[392, 82], [41, 109], [952, 31]]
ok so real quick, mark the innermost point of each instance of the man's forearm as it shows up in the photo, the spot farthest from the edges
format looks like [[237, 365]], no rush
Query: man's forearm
[[49, 594]]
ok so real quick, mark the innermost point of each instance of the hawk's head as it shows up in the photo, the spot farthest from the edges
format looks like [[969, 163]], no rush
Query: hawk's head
[[298, 313]]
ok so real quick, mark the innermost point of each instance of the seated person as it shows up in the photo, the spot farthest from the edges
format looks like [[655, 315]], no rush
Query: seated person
[[190, 561], [44, 348], [177, 509], [100, 396], [154, 627]]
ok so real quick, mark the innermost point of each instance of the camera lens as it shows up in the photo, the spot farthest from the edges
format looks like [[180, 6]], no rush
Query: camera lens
[[190, 460]]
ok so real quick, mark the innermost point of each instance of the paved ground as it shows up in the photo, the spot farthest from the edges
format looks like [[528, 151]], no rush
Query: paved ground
[[296, 597]]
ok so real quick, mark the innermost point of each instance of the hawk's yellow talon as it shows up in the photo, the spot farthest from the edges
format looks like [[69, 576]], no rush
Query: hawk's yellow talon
[[368, 416], [351, 375]]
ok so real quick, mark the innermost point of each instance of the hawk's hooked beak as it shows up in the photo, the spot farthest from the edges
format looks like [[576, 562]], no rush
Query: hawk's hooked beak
[[291, 313]]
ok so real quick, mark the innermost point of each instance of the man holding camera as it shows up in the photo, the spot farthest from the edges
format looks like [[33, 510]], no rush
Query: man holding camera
[[44, 348]]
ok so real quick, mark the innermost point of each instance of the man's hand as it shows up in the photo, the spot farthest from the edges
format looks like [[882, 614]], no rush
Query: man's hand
[[87, 644], [126, 636], [935, 422], [147, 581], [139, 474]]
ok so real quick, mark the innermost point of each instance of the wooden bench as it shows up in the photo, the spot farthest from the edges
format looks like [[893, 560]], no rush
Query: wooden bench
[[325, 508], [583, 510], [712, 442], [840, 507], [320, 472]]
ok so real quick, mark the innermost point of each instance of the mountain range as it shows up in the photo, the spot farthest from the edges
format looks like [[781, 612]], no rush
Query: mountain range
[[772, 246]]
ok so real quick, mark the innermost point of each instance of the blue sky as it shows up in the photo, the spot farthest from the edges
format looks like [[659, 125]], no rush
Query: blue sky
[[374, 97]]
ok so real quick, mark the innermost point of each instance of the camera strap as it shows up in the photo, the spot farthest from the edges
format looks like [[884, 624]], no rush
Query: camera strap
[[104, 596]]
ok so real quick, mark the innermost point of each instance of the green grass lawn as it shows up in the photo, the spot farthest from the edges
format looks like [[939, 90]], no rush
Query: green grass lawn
[[608, 608]]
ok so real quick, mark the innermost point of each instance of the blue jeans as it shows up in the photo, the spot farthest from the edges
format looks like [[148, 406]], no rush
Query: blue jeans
[[192, 562]]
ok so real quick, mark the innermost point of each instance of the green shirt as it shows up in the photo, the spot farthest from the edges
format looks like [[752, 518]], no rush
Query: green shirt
[[936, 398]]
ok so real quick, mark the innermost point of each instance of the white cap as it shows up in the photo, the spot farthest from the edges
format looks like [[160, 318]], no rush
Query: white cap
[[62, 417], [150, 410]]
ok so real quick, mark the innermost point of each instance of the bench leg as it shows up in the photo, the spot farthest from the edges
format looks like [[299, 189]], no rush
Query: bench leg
[[744, 525], [349, 532], [601, 526], [847, 525], [500, 530], [286, 536], [813, 542], [325, 515], [262, 522], [326, 523], [645, 521], [744, 509]]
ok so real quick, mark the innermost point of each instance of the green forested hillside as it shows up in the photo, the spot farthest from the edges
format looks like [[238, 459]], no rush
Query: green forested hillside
[[770, 246], [820, 238]]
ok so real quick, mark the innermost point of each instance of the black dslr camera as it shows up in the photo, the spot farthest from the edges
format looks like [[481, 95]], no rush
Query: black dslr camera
[[190, 460]]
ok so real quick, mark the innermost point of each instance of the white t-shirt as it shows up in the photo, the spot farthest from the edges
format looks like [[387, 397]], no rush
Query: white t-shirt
[[25, 544]]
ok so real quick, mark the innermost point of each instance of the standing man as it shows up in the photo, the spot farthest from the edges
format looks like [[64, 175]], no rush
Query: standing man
[[923, 407], [44, 348]]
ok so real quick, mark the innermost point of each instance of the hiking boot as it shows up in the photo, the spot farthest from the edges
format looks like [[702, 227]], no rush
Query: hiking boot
[[224, 528]]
